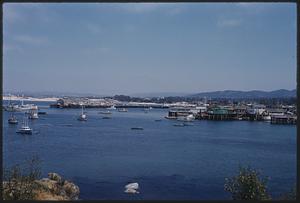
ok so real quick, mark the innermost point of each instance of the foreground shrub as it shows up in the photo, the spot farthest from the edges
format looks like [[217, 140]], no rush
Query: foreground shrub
[[19, 182], [247, 185]]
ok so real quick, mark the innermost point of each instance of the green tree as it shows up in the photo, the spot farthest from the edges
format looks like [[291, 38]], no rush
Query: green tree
[[247, 185]]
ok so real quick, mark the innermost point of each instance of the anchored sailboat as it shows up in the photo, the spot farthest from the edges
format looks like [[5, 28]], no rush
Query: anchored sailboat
[[82, 116]]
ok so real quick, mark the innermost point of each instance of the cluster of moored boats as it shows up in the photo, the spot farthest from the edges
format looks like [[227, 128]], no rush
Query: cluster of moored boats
[[30, 112], [83, 115], [24, 129]]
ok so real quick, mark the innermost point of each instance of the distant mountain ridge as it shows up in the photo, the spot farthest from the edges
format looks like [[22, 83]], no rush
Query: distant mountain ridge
[[232, 94], [160, 94], [226, 94]]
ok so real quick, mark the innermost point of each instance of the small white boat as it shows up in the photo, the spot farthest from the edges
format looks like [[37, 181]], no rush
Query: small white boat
[[11, 107], [112, 108], [267, 118], [12, 120], [82, 116], [188, 118], [33, 114], [146, 110], [25, 129], [171, 117], [25, 107], [104, 112], [122, 110]]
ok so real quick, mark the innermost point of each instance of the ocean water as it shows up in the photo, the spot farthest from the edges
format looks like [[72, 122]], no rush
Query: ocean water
[[102, 155]]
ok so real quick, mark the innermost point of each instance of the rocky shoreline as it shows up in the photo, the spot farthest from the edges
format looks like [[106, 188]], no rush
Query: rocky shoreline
[[52, 188]]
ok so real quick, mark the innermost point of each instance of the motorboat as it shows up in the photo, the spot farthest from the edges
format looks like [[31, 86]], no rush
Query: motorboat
[[188, 118], [146, 110], [26, 107], [267, 118], [12, 120], [122, 110], [171, 117], [33, 114], [112, 108], [25, 129], [104, 112], [11, 107]]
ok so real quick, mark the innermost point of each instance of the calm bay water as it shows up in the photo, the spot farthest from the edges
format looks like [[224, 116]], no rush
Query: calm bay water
[[168, 162]]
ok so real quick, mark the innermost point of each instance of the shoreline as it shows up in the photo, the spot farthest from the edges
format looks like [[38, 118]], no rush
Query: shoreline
[[15, 98]]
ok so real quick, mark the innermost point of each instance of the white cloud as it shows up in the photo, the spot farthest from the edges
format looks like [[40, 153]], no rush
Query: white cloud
[[229, 22], [30, 40]]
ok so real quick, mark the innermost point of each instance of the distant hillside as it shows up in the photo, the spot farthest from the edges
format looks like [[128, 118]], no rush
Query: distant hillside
[[231, 94]]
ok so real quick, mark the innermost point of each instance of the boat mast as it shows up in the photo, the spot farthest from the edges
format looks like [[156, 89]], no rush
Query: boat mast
[[22, 100], [9, 99]]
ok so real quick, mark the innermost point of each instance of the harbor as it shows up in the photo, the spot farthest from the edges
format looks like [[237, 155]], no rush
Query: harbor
[[275, 114], [241, 111], [158, 153]]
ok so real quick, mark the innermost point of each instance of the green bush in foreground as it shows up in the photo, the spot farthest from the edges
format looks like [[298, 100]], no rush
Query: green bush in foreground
[[247, 185], [19, 182]]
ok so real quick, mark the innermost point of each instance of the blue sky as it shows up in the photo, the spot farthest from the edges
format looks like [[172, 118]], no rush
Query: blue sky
[[149, 47]]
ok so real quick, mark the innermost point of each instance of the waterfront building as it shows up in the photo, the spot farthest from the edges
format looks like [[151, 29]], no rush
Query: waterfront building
[[221, 113]]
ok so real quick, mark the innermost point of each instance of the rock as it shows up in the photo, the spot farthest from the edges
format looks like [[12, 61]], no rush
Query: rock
[[71, 190], [56, 177], [50, 185], [52, 188], [131, 191], [58, 187], [132, 188]]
